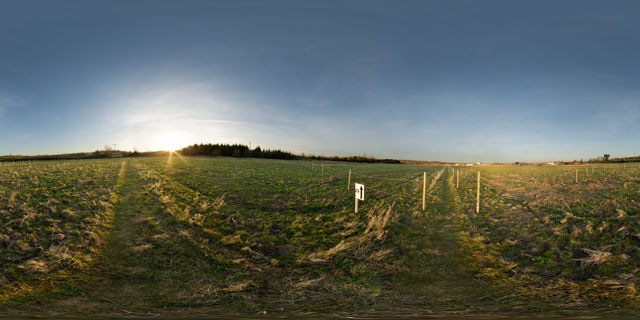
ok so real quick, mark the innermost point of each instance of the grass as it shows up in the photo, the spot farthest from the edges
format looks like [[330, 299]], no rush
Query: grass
[[175, 235], [559, 237]]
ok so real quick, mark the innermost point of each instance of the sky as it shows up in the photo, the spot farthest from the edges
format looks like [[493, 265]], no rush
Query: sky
[[448, 80]]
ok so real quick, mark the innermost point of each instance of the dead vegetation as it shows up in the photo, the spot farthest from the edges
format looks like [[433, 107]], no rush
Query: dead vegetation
[[279, 234], [361, 245], [52, 219], [574, 238]]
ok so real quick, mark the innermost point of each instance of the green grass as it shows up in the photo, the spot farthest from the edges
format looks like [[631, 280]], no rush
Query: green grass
[[171, 235], [554, 236]]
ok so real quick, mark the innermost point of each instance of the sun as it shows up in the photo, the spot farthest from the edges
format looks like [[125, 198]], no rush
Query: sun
[[171, 141]]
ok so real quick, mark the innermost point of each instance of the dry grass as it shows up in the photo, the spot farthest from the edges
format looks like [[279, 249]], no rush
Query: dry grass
[[142, 248], [595, 257], [380, 217], [36, 266], [238, 287]]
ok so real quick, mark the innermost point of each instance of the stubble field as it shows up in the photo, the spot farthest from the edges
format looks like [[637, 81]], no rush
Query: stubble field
[[175, 235]]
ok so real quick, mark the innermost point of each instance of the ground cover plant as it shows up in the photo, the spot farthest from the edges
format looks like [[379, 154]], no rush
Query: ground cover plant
[[548, 235], [290, 226], [173, 234], [52, 216]]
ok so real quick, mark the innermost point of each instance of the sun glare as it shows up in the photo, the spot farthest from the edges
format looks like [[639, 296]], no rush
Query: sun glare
[[171, 141]]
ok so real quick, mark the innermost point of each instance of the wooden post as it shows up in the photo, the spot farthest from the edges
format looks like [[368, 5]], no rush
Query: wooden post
[[478, 195], [349, 181], [457, 178], [576, 175], [322, 165], [356, 203], [424, 190]]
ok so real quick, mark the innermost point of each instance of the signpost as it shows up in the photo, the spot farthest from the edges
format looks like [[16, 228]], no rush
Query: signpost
[[359, 194]]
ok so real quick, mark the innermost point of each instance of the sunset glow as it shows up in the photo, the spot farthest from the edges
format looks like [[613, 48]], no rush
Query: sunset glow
[[171, 141]]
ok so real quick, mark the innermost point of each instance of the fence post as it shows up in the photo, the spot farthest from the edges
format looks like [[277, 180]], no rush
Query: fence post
[[478, 195], [576, 175], [457, 178], [424, 190], [356, 203], [349, 181]]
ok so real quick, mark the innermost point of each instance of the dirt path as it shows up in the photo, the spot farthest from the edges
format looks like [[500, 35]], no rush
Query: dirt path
[[436, 274], [145, 264], [435, 180]]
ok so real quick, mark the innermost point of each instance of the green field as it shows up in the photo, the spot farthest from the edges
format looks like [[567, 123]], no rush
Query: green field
[[175, 236]]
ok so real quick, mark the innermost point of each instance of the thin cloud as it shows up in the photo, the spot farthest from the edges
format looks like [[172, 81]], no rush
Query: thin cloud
[[8, 101], [222, 121]]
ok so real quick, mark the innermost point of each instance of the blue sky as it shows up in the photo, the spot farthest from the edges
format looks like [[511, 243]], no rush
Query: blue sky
[[427, 80]]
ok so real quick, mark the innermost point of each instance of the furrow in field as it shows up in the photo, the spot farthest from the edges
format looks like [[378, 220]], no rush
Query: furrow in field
[[147, 262], [435, 180]]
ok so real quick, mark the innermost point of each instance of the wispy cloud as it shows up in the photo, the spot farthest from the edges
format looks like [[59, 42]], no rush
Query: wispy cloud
[[221, 121], [619, 116], [8, 101]]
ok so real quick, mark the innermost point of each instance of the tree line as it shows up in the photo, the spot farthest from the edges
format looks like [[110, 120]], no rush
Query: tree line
[[209, 149], [236, 151], [243, 151], [98, 154]]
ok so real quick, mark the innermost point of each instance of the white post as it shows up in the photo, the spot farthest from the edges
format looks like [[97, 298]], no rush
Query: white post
[[356, 203], [478, 195], [424, 190]]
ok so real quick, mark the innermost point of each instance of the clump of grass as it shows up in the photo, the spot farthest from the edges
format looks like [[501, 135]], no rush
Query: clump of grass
[[595, 257], [142, 248], [380, 217], [35, 266]]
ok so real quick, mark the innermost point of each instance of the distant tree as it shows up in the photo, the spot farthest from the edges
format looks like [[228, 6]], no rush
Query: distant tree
[[257, 152], [606, 157], [108, 150]]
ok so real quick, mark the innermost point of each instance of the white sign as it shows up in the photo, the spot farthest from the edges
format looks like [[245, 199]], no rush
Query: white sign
[[360, 192]]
